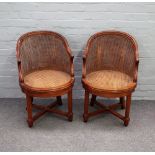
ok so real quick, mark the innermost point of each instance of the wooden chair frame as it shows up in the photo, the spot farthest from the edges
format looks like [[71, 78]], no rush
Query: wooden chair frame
[[124, 103], [45, 93]]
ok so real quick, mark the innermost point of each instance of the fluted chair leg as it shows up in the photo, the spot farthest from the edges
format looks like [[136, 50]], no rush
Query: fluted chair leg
[[122, 102], [127, 110], [93, 99], [29, 100], [70, 113], [86, 103], [59, 100]]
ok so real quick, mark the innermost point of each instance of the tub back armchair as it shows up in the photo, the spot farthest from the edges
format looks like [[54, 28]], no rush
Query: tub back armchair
[[45, 67], [110, 67]]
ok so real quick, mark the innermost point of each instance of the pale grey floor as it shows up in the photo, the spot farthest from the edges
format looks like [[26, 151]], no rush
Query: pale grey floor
[[52, 133]]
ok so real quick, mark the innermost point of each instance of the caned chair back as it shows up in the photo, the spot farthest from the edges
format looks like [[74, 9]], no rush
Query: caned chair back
[[43, 50], [112, 50]]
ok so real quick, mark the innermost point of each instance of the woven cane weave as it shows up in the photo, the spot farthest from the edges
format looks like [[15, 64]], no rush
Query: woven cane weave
[[47, 79], [111, 52], [109, 80], [43, 51]]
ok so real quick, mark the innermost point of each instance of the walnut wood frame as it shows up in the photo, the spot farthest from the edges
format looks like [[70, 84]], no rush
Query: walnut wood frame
[[122, 94], [45, 93]]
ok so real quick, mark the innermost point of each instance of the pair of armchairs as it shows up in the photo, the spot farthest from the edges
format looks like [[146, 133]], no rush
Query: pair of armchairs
[[45, 66]]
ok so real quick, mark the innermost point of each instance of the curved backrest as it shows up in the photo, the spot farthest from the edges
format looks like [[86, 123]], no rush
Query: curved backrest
[[111, 50], [43, 50]]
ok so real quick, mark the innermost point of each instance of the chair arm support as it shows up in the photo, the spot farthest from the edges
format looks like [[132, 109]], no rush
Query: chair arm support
[[19, 71], [21, 80], [84, 67], [136, 71], [72, 66], [71, 60]]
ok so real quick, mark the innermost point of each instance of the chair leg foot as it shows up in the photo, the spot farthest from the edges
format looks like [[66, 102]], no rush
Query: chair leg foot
[[126, 122], [85, 118], [70, 117], [30, 123]]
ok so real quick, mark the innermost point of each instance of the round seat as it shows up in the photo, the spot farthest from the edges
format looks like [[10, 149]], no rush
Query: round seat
[[109, 80], [47, 79]]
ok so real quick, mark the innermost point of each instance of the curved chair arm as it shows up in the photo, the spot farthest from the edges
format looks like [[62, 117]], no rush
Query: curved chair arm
[[137, 61], [19, 63], [71, 60], [84, 64]]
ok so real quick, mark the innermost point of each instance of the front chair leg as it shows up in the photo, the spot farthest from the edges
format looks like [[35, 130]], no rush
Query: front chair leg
[[93, 99], [29, 100], [122, 102], [59, 101], [86, 102], [70, 113], [127, 110]]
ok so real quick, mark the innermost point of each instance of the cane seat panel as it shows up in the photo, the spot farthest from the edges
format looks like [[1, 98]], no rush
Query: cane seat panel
[[109, 80], [47, 79]]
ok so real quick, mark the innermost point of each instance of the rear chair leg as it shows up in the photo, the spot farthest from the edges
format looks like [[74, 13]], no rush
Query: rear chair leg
[[29, 110], [70, 113], [127, 110], [86, 102], [59, 101], [93, 99], [122, 102]]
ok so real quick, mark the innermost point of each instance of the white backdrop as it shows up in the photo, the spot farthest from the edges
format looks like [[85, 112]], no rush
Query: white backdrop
[[77, 21]]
